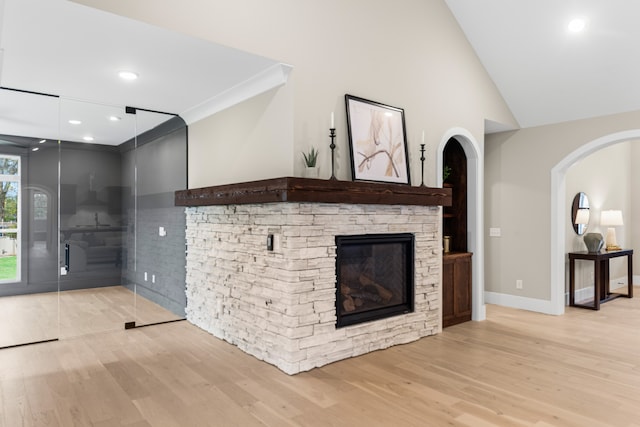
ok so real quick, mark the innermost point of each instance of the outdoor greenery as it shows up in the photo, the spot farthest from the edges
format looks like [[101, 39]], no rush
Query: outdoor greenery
[[9, 166], [8, 205], [8, 267]]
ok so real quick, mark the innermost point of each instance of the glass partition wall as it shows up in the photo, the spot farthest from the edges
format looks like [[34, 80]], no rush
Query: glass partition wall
[[156, 162], [28, 218], [89, 238], [93, 224], [124, 239]]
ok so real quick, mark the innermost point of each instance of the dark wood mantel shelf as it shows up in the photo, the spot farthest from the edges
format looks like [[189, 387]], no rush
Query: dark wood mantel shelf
[[289, 189]]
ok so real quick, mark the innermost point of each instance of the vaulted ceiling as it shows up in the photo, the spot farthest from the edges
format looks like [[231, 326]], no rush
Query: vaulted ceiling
[[547, 73]]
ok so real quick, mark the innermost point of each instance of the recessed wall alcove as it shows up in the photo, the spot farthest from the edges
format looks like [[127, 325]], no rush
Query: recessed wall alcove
[[261, 265], [456, 259]]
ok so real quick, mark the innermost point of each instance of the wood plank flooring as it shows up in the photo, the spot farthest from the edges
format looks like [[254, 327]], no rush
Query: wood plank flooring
[[40, 317], [515, 369]]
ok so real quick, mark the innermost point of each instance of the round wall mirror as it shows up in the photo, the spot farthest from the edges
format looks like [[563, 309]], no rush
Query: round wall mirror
[[580, 213]]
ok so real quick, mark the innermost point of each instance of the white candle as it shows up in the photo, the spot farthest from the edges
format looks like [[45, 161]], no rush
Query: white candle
[[423, 137], [332, 125]]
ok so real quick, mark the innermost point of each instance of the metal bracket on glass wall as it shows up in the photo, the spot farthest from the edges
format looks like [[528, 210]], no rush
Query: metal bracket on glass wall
[[134, 110]]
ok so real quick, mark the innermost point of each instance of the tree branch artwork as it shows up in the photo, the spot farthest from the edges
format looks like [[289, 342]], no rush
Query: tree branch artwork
[[377, 140]]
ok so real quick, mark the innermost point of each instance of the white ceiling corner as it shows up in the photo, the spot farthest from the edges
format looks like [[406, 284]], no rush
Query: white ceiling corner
[[75, 51], [270, 78], [491, 126]]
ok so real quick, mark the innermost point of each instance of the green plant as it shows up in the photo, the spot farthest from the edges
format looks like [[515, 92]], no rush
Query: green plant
[[310, 158], [446, 172], [8, 267]]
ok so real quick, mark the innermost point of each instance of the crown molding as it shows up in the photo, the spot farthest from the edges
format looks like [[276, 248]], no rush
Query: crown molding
[[270, 78]]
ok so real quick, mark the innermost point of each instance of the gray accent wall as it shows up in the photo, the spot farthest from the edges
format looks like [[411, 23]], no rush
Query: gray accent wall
[[161, 161]]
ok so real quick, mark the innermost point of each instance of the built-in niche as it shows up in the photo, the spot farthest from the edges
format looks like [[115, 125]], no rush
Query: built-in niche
[[456, 261], [455, 177]]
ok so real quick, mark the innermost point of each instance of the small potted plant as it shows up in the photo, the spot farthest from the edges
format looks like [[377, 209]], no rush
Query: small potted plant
[[310, 162], [446, 172]]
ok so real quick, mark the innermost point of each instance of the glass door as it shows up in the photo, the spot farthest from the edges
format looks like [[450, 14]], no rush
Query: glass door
[[93, 218], [157, 163], [28, 218]]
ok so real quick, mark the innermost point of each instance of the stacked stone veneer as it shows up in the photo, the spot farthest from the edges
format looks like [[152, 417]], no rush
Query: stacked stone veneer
[[279, 306]]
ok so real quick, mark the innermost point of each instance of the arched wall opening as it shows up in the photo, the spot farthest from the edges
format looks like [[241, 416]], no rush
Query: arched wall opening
[[559, 210], [475, 209]]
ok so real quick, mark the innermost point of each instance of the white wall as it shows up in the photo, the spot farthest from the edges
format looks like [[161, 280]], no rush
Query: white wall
[[250, 141], [633, 225], [409, 54]]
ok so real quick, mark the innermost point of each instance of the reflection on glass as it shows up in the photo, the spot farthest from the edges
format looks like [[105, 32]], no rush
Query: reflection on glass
[[28, 222], [92, 221], [9, 192], [580, 213], [157, 259]]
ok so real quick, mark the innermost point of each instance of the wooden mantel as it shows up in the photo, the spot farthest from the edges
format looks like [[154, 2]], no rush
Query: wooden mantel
[[290, 189]]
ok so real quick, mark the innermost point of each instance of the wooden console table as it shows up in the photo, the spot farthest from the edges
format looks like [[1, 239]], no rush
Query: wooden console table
[[601, 275]]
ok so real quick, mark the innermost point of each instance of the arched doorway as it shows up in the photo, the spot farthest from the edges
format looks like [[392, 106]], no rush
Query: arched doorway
[[475, 209], [559, 210]]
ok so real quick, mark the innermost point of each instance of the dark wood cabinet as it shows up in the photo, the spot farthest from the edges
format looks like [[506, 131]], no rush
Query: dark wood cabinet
[[455, 216], [456, 265], [456, 288]]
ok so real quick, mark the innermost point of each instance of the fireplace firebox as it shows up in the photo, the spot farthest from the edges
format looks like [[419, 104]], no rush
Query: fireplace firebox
[[375, 277]]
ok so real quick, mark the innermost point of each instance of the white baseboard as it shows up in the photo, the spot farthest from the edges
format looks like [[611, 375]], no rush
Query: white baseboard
[[523, 303], [587, 292], [544, 306]]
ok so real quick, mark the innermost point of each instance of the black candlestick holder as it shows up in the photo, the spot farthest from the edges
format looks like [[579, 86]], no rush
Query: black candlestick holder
[[332, 135], [422, 163]]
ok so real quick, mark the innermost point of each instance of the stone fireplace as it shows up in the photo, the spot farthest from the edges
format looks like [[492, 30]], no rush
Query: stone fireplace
[[261, 266]]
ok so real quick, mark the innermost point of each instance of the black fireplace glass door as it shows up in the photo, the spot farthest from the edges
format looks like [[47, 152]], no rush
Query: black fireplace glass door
[[374, 276]]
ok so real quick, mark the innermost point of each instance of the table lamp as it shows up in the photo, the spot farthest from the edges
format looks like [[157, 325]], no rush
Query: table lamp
[[611, 219]]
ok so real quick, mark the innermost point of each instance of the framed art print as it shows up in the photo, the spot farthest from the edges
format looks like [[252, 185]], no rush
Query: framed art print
[[377, 141]]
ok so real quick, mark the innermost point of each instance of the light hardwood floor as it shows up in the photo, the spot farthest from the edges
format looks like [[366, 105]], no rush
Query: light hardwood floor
[[40, 317], [515, 369]]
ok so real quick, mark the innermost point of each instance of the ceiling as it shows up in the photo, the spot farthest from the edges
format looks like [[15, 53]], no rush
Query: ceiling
[[62, 48], [547, 74]]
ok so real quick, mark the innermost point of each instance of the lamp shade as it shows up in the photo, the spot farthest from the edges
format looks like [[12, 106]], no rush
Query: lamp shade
[[611, 218], [582, 216]]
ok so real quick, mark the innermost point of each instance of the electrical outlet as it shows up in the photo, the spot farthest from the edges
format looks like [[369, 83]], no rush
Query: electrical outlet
[[518, 284]]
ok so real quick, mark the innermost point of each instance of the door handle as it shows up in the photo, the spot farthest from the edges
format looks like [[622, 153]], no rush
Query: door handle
[[67, 256]]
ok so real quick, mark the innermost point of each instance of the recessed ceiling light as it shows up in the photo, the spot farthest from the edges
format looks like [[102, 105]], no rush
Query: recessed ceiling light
[[88, 138], [35, 148], [42, 141], [127, 75], [75, 122], [577, 25], [115, 118]]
